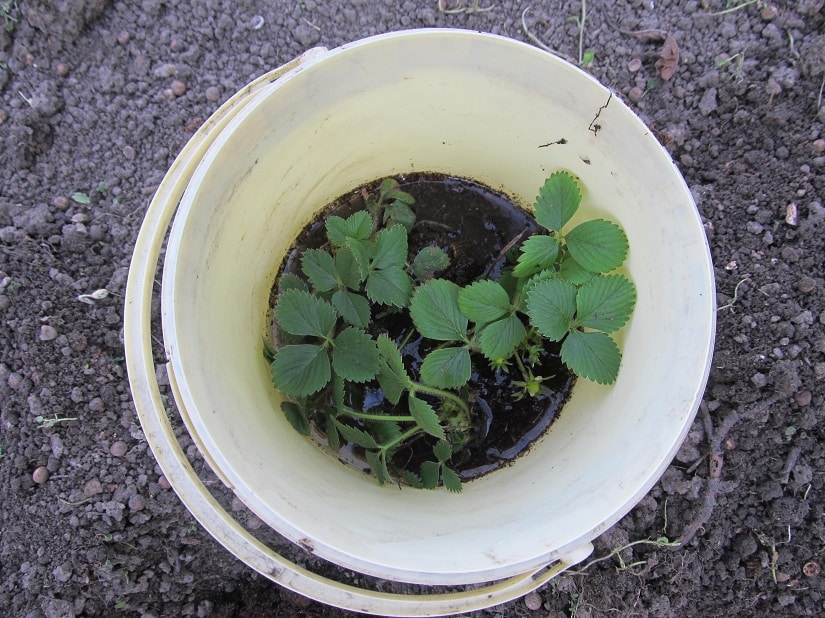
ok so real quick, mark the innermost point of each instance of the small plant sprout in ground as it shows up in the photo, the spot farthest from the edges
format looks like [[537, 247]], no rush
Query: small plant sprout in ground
[[47, 423], [339, 371], [9, 14]]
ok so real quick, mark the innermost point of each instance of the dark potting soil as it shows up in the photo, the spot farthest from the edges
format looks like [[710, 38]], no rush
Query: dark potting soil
[[477, 227]]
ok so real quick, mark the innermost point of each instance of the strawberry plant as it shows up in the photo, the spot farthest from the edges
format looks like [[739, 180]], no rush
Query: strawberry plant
[[559, 286]]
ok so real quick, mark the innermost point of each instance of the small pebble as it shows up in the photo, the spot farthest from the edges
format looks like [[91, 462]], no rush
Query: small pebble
[[635, 94], [819, 146], [40, 475], [178, 88], [47, 333], [193, 125], [137, 503], [56, 445], [92, 488], [213, 93], [62, 69], [14, 381], [253, 522], [533, 601], [803, 399], [769, 13], [97, 232], [96, 405], [4, 115], [634, 65], [792, 214], [164, 482], [123, 37], [166, 70], [759, 380], [61, 202], [806, 285], [811, 569], [118, 449]]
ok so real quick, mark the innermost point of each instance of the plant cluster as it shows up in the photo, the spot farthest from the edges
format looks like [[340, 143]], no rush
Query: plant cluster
[[556, 287]]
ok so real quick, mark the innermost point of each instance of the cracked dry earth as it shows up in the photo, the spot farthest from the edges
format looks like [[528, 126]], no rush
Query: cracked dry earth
[[96, 99]]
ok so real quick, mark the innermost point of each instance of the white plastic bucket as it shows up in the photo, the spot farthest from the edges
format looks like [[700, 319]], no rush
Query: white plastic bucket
[[462, 103]]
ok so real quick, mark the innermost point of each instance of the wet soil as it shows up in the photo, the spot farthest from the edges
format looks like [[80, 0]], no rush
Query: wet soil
[[478, 229], [106, 91]]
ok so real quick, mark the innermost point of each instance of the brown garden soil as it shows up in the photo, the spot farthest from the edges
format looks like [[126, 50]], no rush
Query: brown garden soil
[[96, 99]]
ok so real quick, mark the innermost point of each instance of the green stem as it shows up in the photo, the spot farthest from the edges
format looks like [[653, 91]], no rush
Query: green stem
[[421, 388], [375, 417], [407, 434], [524, 373]]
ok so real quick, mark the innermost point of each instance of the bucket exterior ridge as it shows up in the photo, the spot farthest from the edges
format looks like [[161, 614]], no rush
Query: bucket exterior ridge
[[446, 97]]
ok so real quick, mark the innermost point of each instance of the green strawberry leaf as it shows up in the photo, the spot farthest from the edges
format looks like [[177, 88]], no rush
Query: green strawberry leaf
[[354, 308], [384, 431], [319, 268], [537, 253], [430, 472], [551, 305], [390, 286], [434, 311], [379, 467], [570, 270], [399, 212], [357, 226], [291, 281], [392, 376], [558, 201], [592, 355], [525, 285], [450, 479], [269, 350], [301, 313], [356, 436], [428, 261], [443, 451], [425, 416], [336, 231], [598, 245], [390, 247], [297, 416], [300, 370], [605, 303], [387, 185], [411, 479], [355, 355], [499, 339], [331, 429], [484, 301], [347, 269], [389, 191], [362, 250], [446, 368]]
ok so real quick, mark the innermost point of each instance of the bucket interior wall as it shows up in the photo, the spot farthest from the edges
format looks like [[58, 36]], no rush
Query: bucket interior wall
[[475, 106]]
